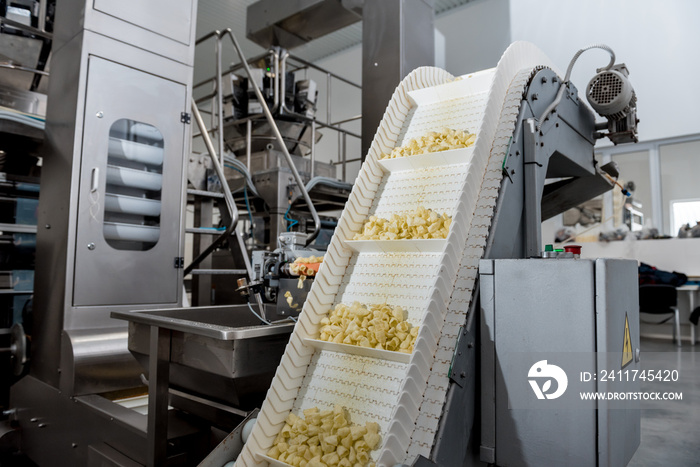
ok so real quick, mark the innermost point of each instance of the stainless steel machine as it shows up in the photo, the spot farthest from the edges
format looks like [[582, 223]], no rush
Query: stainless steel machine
[[111, 221]]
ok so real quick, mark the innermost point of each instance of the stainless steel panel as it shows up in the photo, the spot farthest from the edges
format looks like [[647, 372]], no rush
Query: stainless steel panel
[[169, 18], [617, 293], [227, 322], [221, 353], [103, 455], [143, 25], [295, 22], [535, 312], [54, 244], [97, 360], [116, 92], [58, 430]]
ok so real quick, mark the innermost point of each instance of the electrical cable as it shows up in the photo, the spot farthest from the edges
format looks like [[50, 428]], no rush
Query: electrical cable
[[328, 182], [246, 175], [250, 307], [290, 222], [564, 84]]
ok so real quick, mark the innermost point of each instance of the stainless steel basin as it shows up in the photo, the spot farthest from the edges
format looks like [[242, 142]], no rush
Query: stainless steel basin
[[221, 353]]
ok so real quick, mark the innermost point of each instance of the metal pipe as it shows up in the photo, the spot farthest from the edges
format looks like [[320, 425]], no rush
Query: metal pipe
[[328, 98], [276, 81], [283, 82], [313, 148], [42, 15], [204, 98], [207, 36], [347, 161], [248, 149], [283, 147], [351, 119], [24, 27], [323, 70], [23, 68], [244, 253], [230, 70], [228, 197], [219, 104], [345, 155]]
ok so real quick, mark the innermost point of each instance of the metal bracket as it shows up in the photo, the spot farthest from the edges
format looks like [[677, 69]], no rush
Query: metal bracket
[[423, 462], [460, 362], [179, 262], [185, 117]]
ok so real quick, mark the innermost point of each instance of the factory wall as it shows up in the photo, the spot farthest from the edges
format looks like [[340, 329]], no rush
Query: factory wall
[[657, 40], [475, 36]]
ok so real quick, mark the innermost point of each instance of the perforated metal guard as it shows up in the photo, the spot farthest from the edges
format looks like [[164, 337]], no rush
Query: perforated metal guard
[[606, 88], [436, 288]]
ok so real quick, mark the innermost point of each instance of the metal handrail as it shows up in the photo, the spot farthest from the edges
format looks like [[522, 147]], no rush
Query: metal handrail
[[228, 197], [271, 120], [23, 68]]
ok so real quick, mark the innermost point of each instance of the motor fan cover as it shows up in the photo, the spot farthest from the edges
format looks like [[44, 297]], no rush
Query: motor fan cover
[[610, 93]]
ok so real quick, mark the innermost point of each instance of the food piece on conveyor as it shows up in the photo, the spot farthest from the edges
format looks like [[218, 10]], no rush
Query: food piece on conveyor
[[419, 224], [305, 267], [378, 326], [433, 142], [325, 438], [290, 299]]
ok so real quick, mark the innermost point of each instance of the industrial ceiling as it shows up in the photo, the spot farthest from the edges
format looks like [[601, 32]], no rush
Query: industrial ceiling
[[218, 14]]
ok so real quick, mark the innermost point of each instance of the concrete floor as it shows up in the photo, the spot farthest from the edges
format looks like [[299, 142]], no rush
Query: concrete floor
[[670, 429]]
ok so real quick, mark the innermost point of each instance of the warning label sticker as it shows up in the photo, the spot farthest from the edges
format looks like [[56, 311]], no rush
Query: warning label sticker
[[626, 345]]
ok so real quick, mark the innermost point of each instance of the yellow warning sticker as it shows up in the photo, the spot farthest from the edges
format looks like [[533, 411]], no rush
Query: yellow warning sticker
[[626, 345]]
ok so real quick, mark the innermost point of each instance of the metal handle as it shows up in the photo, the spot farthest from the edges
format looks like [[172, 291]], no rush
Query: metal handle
[[94, 180]]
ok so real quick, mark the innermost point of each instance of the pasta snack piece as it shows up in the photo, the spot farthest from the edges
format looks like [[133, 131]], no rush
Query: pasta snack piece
[[434, 141], [378, 326], [421, 223], [325, 439], [300, 267]]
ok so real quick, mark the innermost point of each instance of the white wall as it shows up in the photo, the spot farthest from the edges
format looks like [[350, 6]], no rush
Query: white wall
[[657, 40], [475, 36]]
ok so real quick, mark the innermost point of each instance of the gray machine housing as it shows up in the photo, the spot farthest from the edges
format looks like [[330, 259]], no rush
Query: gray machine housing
[[578, 319]]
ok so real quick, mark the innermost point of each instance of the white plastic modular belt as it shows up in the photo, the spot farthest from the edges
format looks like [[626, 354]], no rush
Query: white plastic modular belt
[[405, 396]]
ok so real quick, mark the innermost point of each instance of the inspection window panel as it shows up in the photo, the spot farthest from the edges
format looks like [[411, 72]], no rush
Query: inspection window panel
[[129, 218]]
